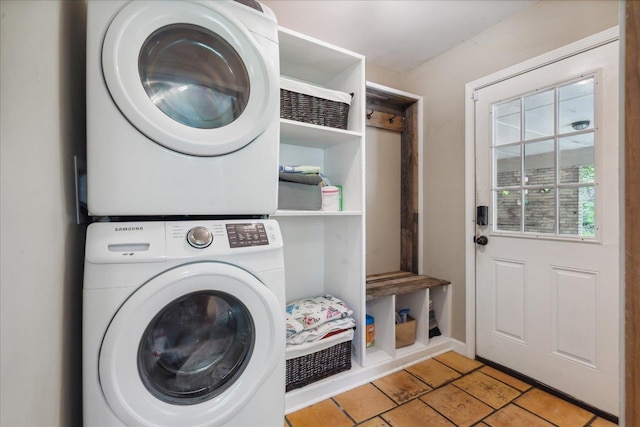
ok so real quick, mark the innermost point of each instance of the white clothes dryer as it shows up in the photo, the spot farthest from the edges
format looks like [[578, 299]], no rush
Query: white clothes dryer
[[183, 106], [183, 324]]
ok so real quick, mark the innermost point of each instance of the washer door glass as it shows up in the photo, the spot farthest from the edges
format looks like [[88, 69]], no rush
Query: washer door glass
[[196, 347], [194, 76]]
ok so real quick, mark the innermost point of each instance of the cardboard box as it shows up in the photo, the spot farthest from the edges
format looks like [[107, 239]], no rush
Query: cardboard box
[[406, 332]]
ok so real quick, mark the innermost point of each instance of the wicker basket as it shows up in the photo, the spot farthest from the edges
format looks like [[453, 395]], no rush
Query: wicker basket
[[311, 104], [305, 370]]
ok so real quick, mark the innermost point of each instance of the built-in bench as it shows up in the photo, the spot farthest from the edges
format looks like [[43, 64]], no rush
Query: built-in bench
[[399, 282]]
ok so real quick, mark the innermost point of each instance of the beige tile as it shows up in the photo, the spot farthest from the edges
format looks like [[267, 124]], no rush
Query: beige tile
[[505, 378], [364, 402], [601, 422], [375, 422], [512, 416], [553, 409], [402, 386], [458, 362], [458, 406], [415, 413], [481, 425], [433, 372], [491, 391], [322, 414]]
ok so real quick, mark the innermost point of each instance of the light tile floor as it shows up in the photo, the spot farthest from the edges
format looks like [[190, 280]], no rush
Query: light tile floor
[[448, 390]]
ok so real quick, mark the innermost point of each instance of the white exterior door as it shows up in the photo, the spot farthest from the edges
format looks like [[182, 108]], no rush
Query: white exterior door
[[547, 275]]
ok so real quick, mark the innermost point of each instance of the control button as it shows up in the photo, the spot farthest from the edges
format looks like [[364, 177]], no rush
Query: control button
[[199, 237]]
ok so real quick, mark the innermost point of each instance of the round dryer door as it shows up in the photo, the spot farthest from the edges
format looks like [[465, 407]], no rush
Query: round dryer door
[[190, 77], [191, 346]]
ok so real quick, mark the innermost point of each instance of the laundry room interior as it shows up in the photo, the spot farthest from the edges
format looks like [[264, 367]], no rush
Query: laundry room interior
[[392, 242]]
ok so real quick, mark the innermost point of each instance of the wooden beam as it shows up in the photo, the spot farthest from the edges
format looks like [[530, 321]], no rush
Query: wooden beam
[[387, 121], [409, 192], [631, 147]]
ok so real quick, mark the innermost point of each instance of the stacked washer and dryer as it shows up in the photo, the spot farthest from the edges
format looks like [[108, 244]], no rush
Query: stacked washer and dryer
[[183, 318]]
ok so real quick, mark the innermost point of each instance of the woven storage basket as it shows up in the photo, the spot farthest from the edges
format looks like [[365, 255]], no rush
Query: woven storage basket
[[311, 104], [305, 370]]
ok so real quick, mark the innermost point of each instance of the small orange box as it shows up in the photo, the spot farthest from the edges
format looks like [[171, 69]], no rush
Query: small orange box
[[371, 331]]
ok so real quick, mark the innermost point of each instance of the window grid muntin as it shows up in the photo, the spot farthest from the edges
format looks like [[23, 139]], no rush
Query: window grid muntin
[[558, 186]]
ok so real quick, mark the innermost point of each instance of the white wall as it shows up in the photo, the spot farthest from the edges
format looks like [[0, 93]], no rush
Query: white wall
[[547, 25], [41, 128]]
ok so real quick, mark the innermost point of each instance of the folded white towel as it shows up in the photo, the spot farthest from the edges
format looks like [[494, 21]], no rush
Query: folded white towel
[[316, 334]]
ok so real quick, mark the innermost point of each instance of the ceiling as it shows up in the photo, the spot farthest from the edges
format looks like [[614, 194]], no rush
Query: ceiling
[[396, 35]]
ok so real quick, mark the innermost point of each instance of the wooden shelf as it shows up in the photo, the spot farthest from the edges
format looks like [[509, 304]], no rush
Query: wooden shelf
[[399, 282]]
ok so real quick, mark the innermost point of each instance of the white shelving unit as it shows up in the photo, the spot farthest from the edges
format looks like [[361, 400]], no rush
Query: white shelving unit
[[325, 251]]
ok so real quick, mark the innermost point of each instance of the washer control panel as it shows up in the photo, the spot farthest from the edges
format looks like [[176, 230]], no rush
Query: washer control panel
[[249, 234]]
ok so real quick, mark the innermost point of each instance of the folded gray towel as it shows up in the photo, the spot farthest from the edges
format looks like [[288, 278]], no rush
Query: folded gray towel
[[309, 179], [292, 195]]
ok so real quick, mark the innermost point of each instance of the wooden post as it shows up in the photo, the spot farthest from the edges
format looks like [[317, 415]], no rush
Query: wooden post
[[631, 147], [409, 192]]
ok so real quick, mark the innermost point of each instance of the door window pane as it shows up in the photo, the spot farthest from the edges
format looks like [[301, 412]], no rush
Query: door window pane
[[577, 211], [577, 159], [540, 163], [576, 106], [507, 165], [506, 122], [539, 111], [544, 172], [508, 210], [194, 76], [540, 211]]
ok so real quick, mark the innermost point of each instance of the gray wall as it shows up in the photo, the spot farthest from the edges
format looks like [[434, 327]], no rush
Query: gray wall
[[42, 47], [383, 176]]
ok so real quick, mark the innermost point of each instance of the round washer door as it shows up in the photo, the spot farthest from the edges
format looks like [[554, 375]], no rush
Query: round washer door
[[190, 77], [191, 346]]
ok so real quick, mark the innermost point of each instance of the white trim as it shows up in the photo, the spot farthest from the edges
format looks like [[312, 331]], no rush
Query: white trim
[[569, 50]]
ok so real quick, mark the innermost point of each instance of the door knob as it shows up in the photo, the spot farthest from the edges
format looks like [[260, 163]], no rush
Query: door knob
[[480, 240]]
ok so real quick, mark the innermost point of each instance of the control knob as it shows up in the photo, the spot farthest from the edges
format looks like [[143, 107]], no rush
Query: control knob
[[199, 237]]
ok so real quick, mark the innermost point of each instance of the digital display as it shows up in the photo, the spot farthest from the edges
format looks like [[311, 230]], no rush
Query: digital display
[[245, 235]]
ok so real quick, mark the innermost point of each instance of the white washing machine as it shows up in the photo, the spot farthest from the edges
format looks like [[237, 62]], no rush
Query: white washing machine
[[183, 106], [183, 324]]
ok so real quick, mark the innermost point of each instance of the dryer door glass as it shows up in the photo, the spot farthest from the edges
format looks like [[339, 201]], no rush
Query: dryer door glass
[[194, 76], [196, 347]]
